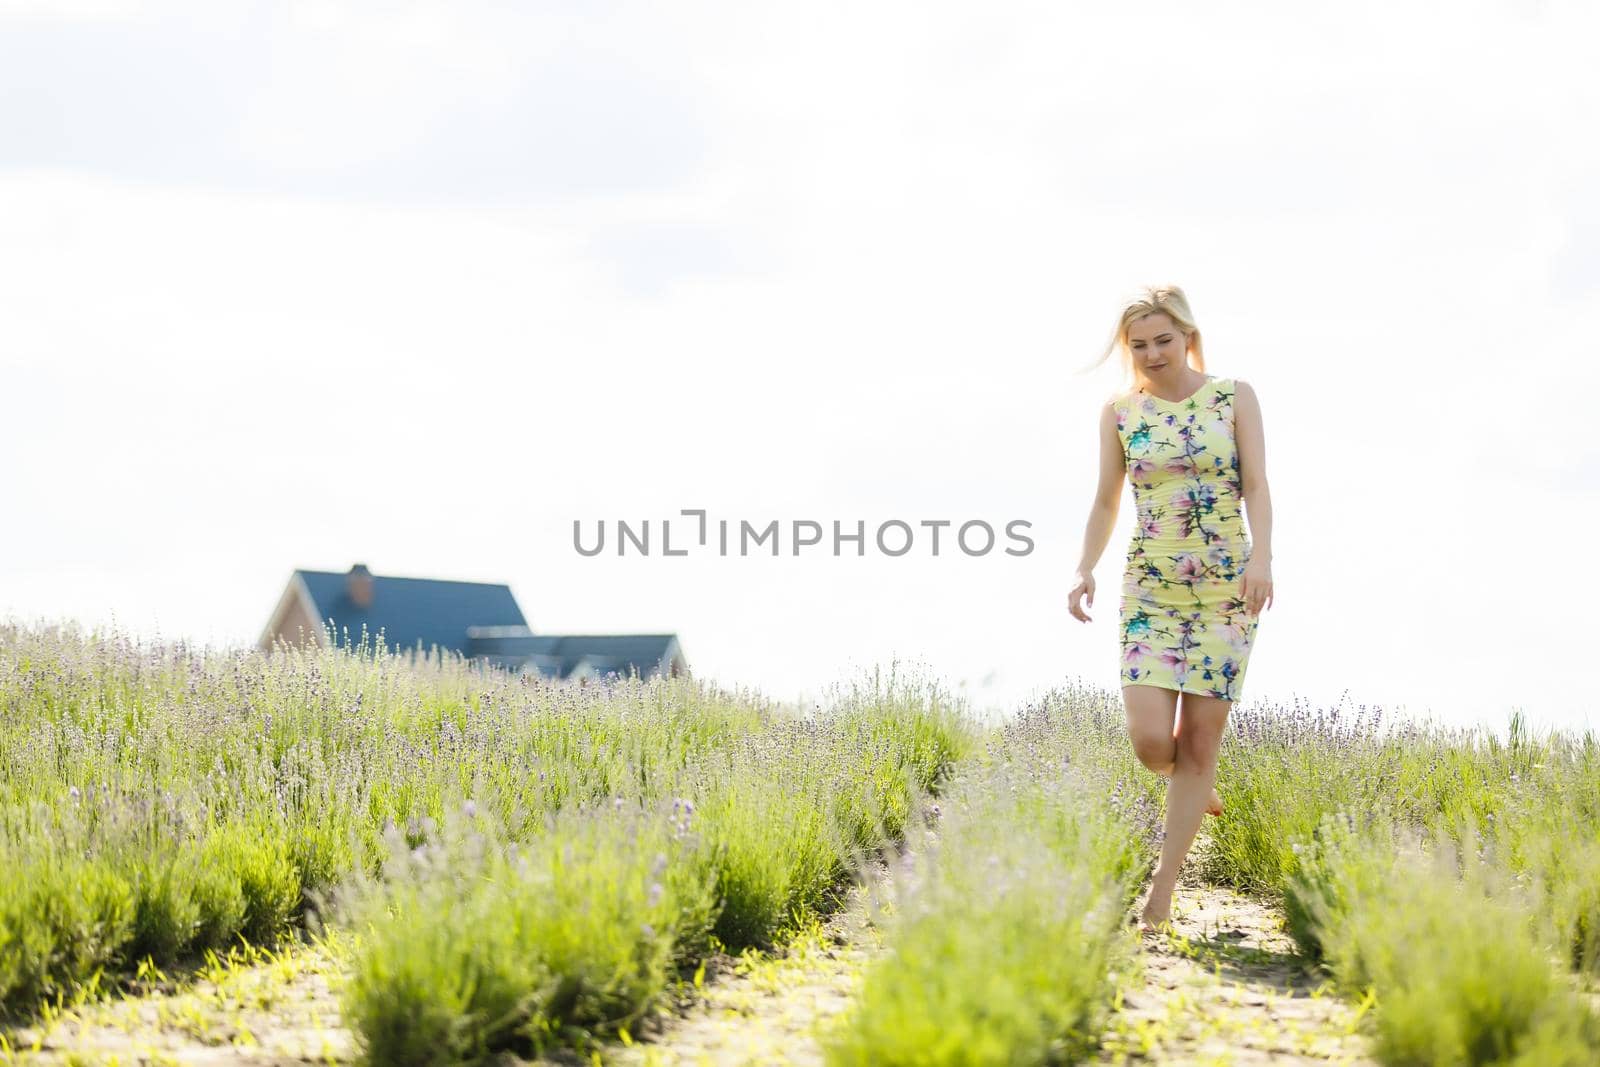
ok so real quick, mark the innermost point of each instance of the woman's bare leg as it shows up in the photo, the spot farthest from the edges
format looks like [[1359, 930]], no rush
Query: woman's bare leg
[[1213, 802], [1152, 712], [1194, 772]]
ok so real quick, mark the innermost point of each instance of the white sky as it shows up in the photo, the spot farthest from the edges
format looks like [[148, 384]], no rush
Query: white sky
[[303, 284]]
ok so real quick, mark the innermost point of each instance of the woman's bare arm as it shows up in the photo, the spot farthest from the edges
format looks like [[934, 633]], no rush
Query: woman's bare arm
[[1252, 445], [1255, 584], [1107, 495]]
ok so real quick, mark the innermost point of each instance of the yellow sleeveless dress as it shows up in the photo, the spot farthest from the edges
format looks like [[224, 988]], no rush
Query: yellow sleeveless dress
[[1183, 617]]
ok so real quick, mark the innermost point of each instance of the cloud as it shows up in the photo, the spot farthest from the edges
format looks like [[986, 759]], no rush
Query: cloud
[[297, 285], [427, 105]]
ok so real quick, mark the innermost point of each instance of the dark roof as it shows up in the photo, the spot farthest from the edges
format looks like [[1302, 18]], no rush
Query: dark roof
[[412, 610], [477, 620], [558, 655]]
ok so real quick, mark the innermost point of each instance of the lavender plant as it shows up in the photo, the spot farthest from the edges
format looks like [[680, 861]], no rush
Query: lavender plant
[[166, 799], [1005, 920]]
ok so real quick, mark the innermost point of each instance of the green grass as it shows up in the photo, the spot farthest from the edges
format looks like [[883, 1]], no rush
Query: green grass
[[166, 801], [1448, 943], [1451, 875], [1007, 931], [521, 866]]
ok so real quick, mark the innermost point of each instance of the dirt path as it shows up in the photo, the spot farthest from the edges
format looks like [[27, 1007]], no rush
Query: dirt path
[[1226, 987], [770, 1011], [278, 1008]]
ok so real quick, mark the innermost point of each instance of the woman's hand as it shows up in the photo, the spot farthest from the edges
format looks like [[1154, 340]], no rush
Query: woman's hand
[[1085, 587], [1257, 585]]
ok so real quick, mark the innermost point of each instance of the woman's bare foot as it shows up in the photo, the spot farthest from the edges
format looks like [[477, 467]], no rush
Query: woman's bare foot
[[1150, 923]]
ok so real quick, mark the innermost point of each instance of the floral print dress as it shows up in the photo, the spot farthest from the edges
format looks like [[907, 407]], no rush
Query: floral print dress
[[1183, 617]]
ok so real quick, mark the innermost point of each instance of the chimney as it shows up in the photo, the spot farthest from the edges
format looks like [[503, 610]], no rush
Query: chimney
[[358, 586]]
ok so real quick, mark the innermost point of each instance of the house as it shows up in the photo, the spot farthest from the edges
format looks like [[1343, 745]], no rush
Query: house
[[478, 620]]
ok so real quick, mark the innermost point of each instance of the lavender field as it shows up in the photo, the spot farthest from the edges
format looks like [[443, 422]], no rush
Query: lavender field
[[473, 867]]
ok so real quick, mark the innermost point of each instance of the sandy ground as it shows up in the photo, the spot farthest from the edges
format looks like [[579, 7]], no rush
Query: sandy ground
[[280, 1011], [1225, 986], [770, 1012]]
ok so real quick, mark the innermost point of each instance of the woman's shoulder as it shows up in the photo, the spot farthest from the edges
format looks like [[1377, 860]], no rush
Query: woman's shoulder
[[1117, 407], [1236, 389], [1120, 398]]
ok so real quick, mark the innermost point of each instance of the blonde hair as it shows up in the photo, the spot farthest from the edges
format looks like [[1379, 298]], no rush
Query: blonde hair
[[1168, 300]]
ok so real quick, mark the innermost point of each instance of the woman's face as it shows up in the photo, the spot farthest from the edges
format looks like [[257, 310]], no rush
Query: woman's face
[[1159, 348]]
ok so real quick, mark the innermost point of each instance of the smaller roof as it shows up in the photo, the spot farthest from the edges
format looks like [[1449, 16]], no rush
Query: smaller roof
[[559, 655]]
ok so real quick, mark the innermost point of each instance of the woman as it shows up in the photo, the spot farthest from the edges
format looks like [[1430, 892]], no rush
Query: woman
[[1191, 445]]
